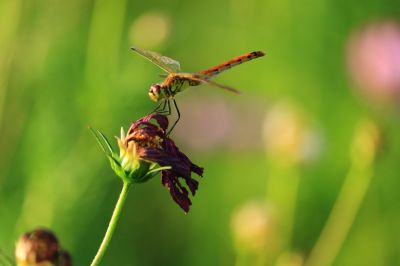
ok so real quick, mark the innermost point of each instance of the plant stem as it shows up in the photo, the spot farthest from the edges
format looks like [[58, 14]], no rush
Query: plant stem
[[349, 201], [341, 217], [282, 191], [111, 226]]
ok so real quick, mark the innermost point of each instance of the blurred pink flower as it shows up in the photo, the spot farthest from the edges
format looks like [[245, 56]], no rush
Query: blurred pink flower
[[373, 58], [206, 123], [212, 122]]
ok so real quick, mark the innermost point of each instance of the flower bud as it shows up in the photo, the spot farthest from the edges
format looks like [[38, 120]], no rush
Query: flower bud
[[64, 259], [40, 248], [151, 29], [287, 136], [130, 160], [252, 226], [365, 143]]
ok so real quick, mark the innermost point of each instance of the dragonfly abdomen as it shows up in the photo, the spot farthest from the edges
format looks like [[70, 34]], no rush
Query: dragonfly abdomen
[[208, 73]]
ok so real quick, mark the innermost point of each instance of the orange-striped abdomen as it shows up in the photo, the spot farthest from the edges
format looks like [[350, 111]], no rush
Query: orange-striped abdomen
[[208, 73]]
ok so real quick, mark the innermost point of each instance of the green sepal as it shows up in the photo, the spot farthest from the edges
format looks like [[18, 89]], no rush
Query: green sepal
[[116, 166], [139, 171], [152, 173], [109, 152], [134, 175], [102, 141]]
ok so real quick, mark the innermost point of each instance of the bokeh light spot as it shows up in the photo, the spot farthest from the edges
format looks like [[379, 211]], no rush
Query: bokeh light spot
[[150, 29]]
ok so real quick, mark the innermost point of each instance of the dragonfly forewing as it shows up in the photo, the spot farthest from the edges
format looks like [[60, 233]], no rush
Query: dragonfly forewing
[[165, 63]]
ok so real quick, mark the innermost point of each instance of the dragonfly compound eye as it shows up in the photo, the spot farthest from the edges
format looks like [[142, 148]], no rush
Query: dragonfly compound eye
[[154, 92]]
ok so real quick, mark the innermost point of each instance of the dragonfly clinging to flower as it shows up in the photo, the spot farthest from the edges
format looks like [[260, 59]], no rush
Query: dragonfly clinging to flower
[[176, 81]]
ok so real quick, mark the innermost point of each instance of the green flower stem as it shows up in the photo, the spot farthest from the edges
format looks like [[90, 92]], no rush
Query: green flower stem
[[111, 226]]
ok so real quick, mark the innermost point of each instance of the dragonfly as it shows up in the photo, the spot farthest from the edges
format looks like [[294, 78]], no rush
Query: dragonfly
[[176, 81]]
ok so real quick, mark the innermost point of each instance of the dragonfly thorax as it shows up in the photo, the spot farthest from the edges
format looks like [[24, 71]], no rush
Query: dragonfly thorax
[[169, 87]]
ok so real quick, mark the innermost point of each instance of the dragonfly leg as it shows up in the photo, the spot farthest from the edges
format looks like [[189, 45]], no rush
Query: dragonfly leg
[[165, 110], [159, 108], [169, 107], [179, 117]]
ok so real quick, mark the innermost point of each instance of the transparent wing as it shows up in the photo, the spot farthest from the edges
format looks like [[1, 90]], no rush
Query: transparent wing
[[215, 84], [167, 64]]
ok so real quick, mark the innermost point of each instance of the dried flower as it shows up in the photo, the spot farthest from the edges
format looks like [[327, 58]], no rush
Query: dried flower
[[39, 248], [181, 169], [147, 145]]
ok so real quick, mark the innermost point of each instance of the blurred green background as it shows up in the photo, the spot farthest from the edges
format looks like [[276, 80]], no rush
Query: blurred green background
[[278, 159]]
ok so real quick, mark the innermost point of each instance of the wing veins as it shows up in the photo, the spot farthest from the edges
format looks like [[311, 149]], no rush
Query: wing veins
[[167, 64]]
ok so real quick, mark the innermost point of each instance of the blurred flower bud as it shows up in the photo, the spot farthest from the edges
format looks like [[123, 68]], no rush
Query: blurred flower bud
[[40, 248], [252, 226], [150, 29], [365, 143], [64, 259], [286, 135], [373, 59]]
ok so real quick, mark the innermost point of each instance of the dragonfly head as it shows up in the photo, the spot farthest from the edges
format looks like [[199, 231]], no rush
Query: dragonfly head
[[154, 92]]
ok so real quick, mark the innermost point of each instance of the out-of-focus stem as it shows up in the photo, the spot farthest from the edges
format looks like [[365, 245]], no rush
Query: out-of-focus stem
[[341, 218], [9, 19], [349, 199], [282, 191]]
